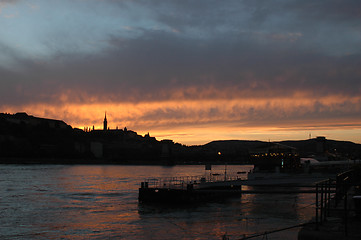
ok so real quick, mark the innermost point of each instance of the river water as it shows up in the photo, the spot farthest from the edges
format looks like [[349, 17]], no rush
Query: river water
[[100, 202]]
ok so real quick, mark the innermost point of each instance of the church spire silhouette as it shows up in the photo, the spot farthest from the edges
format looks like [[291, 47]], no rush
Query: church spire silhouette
[[105, 122]]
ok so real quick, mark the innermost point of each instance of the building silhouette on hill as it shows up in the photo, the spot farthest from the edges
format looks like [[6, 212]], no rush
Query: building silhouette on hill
[[28, 139], [23, 118], [105, 122]]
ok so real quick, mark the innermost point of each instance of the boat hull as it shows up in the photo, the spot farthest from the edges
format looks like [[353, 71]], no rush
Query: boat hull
[[186, 196], [279, 179]]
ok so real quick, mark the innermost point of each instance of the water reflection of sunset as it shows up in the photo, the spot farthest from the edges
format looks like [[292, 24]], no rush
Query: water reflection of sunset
[[92, 201], [73, 202]]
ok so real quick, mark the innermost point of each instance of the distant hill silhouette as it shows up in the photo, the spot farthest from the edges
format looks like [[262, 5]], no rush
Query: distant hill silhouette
[[307, 148], [29, 139]]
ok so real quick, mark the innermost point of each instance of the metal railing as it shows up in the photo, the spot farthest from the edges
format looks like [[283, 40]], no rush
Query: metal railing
[[330, 193], [323, 199], [181, 182]]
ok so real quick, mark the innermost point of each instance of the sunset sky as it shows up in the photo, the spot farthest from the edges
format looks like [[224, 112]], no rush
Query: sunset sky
[[191, 71]]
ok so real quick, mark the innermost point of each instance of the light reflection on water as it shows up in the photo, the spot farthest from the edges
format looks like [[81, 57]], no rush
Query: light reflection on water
[[100, 202]]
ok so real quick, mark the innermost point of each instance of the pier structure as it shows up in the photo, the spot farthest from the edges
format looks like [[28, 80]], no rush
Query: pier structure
[[337, 210], [190, 189]]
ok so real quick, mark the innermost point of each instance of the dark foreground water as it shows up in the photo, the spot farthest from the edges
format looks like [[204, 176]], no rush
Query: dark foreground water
[[100, 202]]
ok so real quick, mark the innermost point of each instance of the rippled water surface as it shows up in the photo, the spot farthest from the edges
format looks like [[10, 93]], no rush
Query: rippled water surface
[[100, 202]]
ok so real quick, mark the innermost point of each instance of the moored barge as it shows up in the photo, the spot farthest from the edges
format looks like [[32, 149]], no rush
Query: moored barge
[[182, 190]]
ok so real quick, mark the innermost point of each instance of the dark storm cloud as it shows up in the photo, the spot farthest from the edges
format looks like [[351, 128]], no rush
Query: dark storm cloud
[[255, 14], [152, 67], [212, 49], [324, 24]]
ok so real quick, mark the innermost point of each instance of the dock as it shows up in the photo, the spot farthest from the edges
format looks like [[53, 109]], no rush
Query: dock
[[211, 187], [338, 214], [183, 190]]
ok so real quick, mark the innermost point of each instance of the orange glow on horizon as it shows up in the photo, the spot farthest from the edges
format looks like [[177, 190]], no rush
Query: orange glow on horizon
[[201, 121]]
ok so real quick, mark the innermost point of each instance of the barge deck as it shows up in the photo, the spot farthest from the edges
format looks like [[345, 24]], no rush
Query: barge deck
[[190, 189]]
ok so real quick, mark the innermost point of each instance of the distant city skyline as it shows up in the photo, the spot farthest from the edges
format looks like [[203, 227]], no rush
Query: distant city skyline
[[190, 71]]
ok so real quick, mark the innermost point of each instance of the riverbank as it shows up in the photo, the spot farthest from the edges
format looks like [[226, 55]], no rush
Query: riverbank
[[339, 216]]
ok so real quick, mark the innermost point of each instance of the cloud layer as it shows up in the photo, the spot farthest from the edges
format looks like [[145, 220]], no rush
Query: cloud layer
[[154, 64]]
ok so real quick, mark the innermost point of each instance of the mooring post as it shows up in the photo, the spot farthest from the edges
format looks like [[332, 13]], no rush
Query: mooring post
[[325, 202], [329, 196], [345, 209], [321, 210], [317, 206]]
